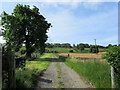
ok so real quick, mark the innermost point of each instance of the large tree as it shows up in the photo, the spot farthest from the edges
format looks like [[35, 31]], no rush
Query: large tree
[[25, 26]]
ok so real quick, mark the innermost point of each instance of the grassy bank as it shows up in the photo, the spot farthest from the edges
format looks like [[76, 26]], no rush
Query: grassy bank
[[27, 78], [95, 72]]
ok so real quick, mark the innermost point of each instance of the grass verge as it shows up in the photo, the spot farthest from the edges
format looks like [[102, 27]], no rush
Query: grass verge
[[60, 83], [95, 72], [26, 78]]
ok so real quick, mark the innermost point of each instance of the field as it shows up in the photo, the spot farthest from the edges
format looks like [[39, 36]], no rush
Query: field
[[60, 50], [67, 50], [95, 72], [83, 55]]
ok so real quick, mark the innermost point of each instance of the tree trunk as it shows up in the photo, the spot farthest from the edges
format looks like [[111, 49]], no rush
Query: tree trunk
[[115, 77], [28, 53]]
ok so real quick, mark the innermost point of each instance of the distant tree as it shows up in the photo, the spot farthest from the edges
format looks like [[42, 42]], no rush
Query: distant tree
[[86, 46], [49, 45], [66, 45], [74, 46], [99, 46], [80, 46], [109, 46], [71, 51], [57, 45], [114, 45], [25, 26], [94, 49]]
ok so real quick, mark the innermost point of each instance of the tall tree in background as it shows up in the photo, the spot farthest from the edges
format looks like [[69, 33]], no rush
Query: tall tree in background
[[25, 26], [80, 46], [94, 49]]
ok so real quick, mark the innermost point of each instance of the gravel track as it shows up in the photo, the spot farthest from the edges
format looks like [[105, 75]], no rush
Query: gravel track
[[60, 78]]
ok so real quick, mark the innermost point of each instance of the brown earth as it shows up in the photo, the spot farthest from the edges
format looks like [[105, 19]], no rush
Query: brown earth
[[83, 55]]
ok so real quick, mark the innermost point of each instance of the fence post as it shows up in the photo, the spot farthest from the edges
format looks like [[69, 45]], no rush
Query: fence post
[[115, 77], [11, 72], [8, 68]]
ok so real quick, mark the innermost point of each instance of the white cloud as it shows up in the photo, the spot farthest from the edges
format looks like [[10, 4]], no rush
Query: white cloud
[[69, 28]]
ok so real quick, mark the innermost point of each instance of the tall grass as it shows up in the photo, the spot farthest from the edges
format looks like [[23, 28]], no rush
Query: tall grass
[[26, 78], [98, 73]]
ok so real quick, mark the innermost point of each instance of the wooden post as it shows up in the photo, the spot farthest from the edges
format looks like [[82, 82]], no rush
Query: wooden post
[[115, 77], [8, 68], [11, 72]]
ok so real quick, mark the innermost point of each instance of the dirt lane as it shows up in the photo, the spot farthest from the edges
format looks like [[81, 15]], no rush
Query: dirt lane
[[48, 78], [71, 79], [58, 75]]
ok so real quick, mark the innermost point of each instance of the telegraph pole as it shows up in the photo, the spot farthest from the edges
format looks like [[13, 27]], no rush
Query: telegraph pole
[[95, 46]]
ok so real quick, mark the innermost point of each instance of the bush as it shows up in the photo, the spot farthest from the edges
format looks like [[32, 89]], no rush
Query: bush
[[71, 51], [94, 49]]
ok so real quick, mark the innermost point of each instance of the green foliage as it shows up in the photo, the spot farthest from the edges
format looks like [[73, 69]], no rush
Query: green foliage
[[27, 78], [60, 50], [21, 52], [98, 73], [109, 45], [63, 45], [71, 51], [113, 56], [25, 26], [94, 49], [67, 50], [80, 47]]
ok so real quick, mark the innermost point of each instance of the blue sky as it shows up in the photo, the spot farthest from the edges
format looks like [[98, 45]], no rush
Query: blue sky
[[79, 22]]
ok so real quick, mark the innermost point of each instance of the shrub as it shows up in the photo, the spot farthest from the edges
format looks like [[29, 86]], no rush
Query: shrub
[[71, 51], [94, 49]]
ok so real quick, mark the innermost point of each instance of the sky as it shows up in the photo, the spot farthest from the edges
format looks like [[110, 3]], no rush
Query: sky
[[77, 22]]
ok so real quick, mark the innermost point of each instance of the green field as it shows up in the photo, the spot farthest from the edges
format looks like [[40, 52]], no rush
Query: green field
[[27, 78], [49, 55], [98, 73], [67, 50], [60, 50]]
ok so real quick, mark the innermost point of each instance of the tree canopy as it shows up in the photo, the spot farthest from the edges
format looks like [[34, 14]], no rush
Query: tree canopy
[[25, 26], [94, 49]]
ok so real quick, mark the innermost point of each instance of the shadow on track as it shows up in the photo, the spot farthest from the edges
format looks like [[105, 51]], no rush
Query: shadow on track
[[60, 59]]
